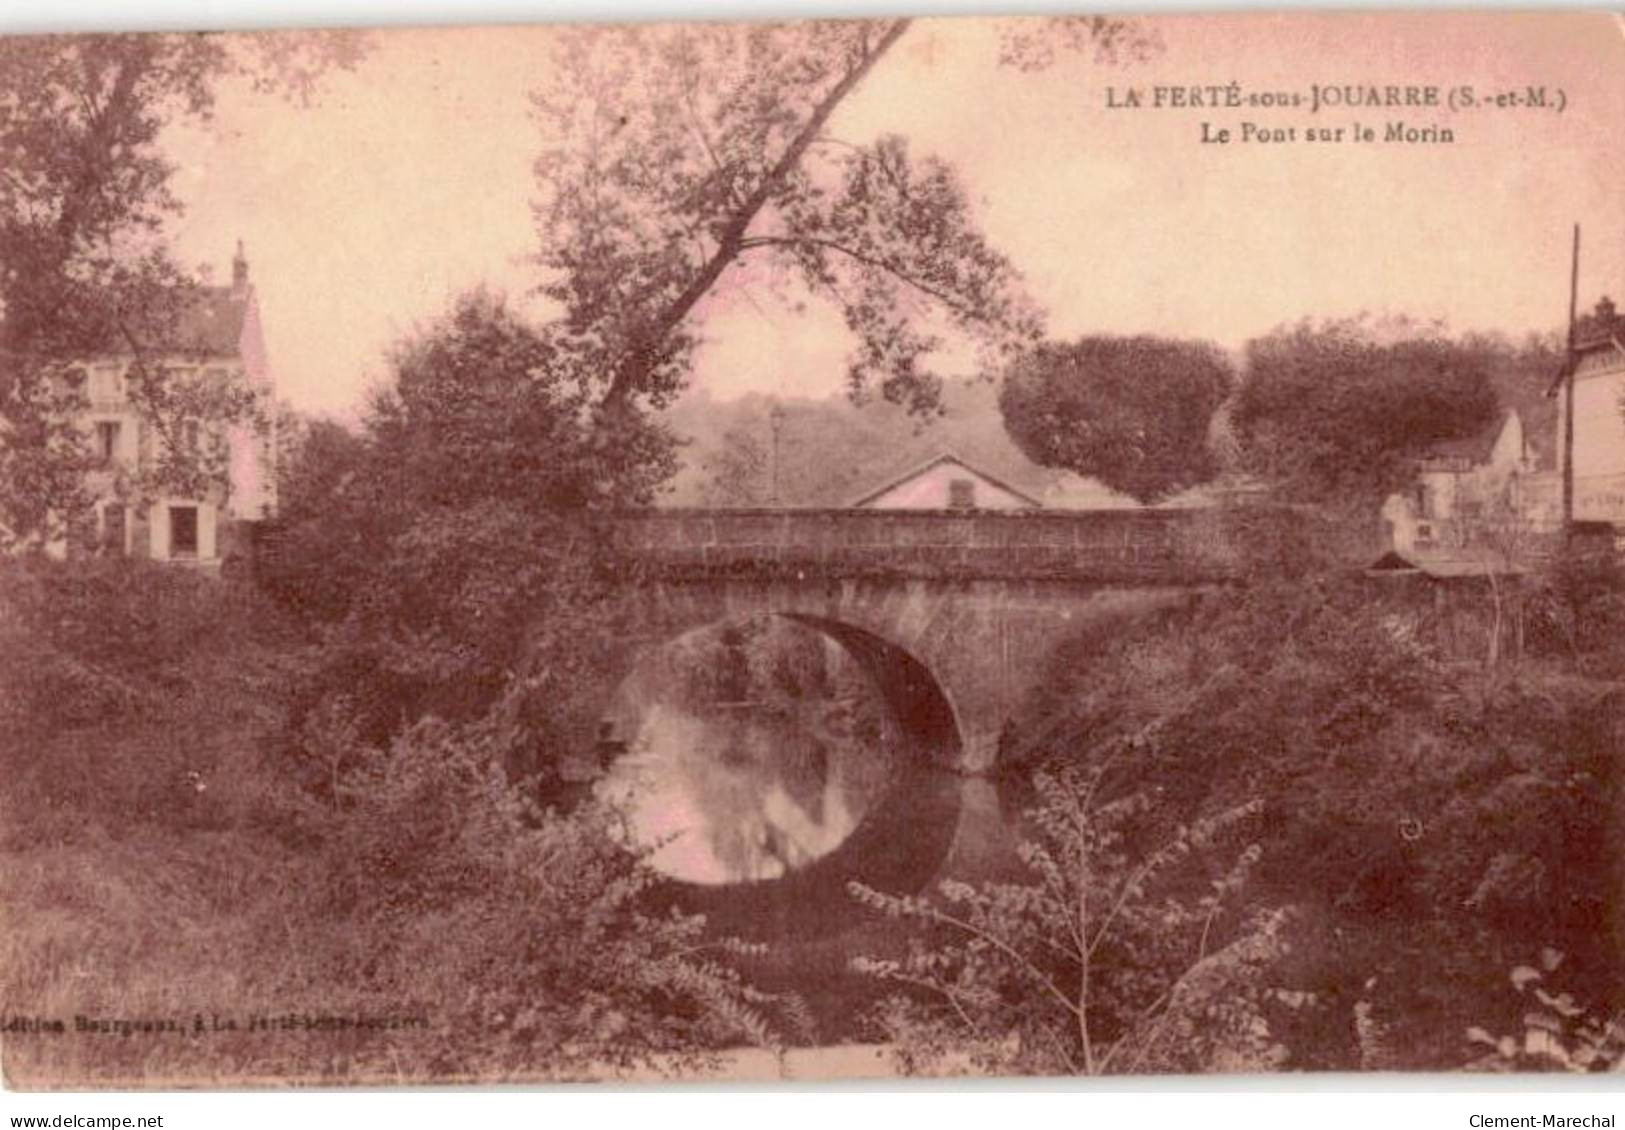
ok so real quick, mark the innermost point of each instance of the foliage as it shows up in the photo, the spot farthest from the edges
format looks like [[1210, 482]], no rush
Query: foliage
[[162, 859], [1578, 608], [84, 202], [563, 963], [103, 639], [1033, 44], [1100, 961], [1131, 412], [484, 406], [1342, 409], [449, 554], [132, 694], [1559, 1033], [738, 473], [831, 451], [1430, 823], [676, 153], [317, 559]]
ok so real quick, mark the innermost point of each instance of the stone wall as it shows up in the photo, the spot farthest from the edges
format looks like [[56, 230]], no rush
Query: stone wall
[[1150, 546], [984, 645]]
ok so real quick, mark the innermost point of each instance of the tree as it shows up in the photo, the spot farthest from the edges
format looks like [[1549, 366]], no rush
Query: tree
[[486, 406], [1340, 411], [1431, 826], [676, 153], [1100, 962], [455, 562], [84, 199], [316, 557], [737, 473], [1131, 412]]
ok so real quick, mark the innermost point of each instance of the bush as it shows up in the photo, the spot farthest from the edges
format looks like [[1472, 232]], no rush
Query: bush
[[1437, 824], [1578, 610], [162, 859], [530, 936], [133, 692], [1125, 950]]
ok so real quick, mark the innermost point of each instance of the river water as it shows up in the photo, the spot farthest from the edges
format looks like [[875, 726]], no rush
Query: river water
[[765, 774]]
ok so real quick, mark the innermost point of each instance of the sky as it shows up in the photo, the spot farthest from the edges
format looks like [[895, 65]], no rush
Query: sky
[[410, 181]]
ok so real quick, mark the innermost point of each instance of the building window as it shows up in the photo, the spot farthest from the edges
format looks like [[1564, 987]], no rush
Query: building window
[[961, 494], [107, 440], [183, 531]]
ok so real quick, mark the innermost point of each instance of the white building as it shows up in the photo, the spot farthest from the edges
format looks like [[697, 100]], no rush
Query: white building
[[219, 345], [1599, 425], [1466, 489], [946, 482]]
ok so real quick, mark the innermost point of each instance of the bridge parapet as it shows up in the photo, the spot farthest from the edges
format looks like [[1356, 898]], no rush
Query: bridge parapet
[[1085, 545]]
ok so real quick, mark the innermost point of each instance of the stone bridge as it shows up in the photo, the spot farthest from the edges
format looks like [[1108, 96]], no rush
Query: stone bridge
[[954, 614]]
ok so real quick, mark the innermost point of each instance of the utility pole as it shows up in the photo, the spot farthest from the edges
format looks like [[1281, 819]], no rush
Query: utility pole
[[1568, 389]]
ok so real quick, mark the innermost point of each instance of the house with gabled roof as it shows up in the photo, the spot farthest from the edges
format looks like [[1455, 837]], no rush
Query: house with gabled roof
[[1465, 487], [216, 343], [945, 482]]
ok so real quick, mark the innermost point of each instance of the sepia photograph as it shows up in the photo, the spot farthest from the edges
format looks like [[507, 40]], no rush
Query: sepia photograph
[[970, 548]]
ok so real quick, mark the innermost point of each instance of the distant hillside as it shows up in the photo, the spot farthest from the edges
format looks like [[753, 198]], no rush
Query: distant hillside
[[832, 452], [1521, 375]]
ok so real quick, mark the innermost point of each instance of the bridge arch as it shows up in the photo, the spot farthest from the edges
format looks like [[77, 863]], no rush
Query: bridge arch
[[977, 598], [906, 810], [954, 617], [916, 701]]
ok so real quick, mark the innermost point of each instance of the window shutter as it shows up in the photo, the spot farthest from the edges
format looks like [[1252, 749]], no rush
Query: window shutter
[[158, 531], [205, 532]]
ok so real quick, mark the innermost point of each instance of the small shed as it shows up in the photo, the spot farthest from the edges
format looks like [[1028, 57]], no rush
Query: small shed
[[1466, 608]]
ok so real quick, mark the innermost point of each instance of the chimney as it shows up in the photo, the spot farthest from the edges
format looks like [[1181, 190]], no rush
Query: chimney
[[1605, 313], [239, 272]]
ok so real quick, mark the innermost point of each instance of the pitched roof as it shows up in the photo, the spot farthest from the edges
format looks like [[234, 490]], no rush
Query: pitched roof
[[1600, 331], [208, 322], [1520, 390], [1392, 564], [922, 468], [1475, 448], [1603, 328], [212, 322]]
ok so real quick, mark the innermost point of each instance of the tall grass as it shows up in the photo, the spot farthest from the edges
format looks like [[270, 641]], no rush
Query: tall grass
[[163, 861]]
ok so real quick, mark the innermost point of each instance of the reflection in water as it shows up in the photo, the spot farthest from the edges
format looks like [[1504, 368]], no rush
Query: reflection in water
[[735, 800], [769, 774], [755, 751]]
